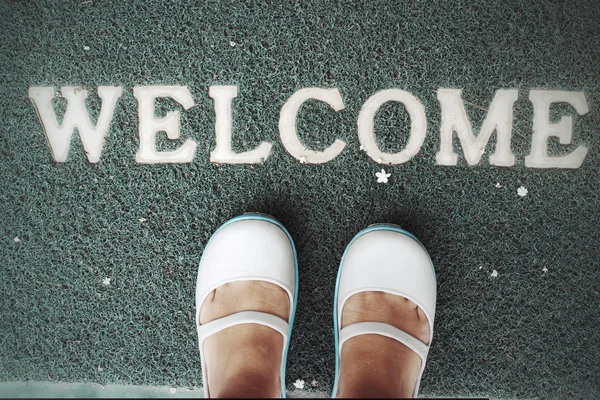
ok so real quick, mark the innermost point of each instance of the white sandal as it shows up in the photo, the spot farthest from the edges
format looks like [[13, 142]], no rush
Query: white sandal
[[248, 247], [388, 259]]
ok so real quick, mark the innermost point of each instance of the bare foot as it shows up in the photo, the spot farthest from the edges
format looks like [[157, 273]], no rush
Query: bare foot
[[244, 360], [375, 365]]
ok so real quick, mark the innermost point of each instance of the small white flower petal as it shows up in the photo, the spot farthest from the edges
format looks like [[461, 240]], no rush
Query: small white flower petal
[[522, 191], [106, 281], [494, 274], [382, 177], [142, 220], [299, 384], [86, 48], [16, 239], [100, 369], [544, 270], [232, 43], [302, 160], [362, 146], [498, 185]]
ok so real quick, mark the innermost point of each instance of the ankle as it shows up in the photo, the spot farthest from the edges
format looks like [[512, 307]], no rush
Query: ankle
[[247, 384], [378, 367], [246, 362], [246, 380], [362, 390], [362, 383]]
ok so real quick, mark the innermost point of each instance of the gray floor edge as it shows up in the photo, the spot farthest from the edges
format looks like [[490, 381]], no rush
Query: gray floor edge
[[39, 389], [33, 389]]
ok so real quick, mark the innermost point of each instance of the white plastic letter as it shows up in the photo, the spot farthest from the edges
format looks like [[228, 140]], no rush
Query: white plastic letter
[[150, 125], [223, 153], [76, 116], [418, 127], [287, 125], [454, 118], [563, 130]]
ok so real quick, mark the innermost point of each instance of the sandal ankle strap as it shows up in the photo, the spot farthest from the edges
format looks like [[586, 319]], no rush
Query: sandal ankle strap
[[244, 317]]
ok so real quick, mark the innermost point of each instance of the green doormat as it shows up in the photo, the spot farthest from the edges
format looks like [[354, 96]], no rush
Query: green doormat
[[456, 101]]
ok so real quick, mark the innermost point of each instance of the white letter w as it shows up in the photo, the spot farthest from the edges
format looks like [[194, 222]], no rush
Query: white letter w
[[76, 116]]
